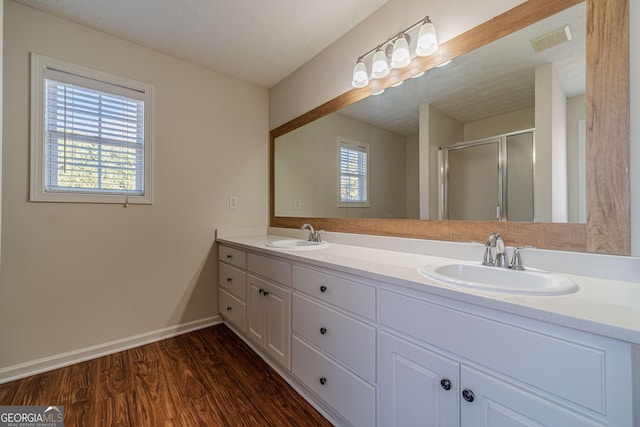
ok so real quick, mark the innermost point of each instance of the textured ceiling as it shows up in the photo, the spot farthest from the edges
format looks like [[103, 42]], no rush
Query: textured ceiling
[[493, 80], [257, 41]]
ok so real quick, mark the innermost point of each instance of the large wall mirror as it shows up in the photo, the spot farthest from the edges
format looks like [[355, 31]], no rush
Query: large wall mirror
[[512, 136]]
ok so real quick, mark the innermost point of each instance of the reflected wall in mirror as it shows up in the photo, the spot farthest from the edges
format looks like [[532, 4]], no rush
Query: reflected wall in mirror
[[606, 132], [504, 86]]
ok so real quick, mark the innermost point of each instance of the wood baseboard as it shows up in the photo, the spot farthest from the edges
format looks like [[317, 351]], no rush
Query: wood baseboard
[[56, 361]]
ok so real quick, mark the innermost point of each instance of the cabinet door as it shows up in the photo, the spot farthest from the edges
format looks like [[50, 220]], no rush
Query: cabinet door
[[255, 323], [277, 312], [496, 403], [413, 386]]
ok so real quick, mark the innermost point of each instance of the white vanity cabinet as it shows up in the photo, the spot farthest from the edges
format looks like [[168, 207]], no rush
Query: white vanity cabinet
[[269, 306], [440, 366], [232, 279], [372, 351], [334, 342]]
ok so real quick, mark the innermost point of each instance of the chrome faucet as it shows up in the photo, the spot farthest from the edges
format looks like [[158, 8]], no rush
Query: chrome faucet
[[495, 241], [314, 236]]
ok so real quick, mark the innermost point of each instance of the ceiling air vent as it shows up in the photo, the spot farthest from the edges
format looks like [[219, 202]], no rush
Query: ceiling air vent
[[549, 40]]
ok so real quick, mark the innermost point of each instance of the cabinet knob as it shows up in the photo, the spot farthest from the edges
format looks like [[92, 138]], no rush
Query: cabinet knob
[[445, 383], [467, 395], [323, 331], [265, 293], [260, 290], [229, 279], [229, 256], [323, 289], [323, 380], [228, 308]]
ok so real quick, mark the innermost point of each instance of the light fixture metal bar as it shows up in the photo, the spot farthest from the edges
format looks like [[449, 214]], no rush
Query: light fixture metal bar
[[395, 37]]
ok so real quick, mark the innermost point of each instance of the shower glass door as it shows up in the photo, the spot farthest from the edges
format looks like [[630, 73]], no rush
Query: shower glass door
[[489, 179]]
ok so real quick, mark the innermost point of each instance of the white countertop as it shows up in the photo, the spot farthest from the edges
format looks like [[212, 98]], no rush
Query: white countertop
[[602, 306]]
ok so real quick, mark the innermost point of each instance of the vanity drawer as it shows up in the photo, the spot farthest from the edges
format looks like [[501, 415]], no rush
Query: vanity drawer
[[232, 309], [233, 280], [350, 341], [278, 271], [232, 256], [569, 369], [351, 397], [346, 294]]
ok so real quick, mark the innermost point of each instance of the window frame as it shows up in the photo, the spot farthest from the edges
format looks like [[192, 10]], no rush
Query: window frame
[[364, 147], [38, 193]]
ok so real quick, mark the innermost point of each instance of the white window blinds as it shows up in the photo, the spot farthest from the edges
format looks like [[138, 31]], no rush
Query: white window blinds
[[353, 173], [94, 138]]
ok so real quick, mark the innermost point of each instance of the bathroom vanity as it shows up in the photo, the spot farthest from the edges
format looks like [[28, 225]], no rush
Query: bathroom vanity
[[370, 341]]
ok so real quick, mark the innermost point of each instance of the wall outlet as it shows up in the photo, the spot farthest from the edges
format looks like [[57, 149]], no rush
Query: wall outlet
[[233, 202]]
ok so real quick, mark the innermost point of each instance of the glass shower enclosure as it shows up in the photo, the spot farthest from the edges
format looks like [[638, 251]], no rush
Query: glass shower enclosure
[[490, 179]]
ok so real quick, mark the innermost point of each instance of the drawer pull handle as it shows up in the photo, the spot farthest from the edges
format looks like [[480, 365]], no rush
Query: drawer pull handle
[[229, 279], [228, 308], [445, 383], [323, 289], [467, 395], [323, 380], [229, 256], [323, 331]]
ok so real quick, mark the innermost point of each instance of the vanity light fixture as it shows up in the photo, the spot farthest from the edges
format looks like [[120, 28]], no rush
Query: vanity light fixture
[[396, 49]]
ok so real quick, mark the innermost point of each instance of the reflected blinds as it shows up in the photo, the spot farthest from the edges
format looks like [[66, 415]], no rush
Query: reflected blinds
[[353, 173]]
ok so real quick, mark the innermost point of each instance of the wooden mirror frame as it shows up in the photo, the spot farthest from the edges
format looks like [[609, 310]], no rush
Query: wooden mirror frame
[[607, 229]]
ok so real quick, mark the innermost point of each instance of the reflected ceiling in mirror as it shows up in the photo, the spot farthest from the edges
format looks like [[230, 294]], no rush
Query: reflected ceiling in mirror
[[495, 79], [491, 81]]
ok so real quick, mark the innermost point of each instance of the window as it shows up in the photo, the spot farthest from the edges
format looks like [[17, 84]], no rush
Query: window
[[91, 139], [354, 168]]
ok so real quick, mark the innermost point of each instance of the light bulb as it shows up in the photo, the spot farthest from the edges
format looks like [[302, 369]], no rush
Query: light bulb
[[400, 57], [360, 76], [427, 39], [379, 66]]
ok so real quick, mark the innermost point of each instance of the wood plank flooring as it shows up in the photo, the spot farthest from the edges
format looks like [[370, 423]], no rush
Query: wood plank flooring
[[205, 378]]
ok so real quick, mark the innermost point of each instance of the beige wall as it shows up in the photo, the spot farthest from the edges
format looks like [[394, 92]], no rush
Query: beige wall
[[513, 121], [76, 275], [443, 130], [307, 165]]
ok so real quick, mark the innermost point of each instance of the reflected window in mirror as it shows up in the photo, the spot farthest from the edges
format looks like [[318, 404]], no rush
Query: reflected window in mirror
[[354, 173]]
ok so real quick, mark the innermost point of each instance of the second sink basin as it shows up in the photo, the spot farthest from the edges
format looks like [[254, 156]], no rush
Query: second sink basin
[[502, 280], [297, 244]]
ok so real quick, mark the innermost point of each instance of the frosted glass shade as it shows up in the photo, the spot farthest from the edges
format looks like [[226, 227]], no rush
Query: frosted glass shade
[[427, 40], [360, 75], [379, 65], [400, 57]]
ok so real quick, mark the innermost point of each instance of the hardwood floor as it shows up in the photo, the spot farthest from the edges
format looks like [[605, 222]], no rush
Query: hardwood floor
[[205, 378]]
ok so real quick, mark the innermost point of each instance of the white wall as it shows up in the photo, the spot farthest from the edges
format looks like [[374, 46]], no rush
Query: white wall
[[76, 275]]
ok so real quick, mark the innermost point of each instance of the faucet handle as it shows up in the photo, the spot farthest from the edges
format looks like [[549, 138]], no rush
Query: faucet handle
[[488, 257], [516, 260]]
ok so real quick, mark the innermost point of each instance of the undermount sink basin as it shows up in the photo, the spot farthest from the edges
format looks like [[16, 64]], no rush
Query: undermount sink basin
[[502, 280], [297, 244]]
